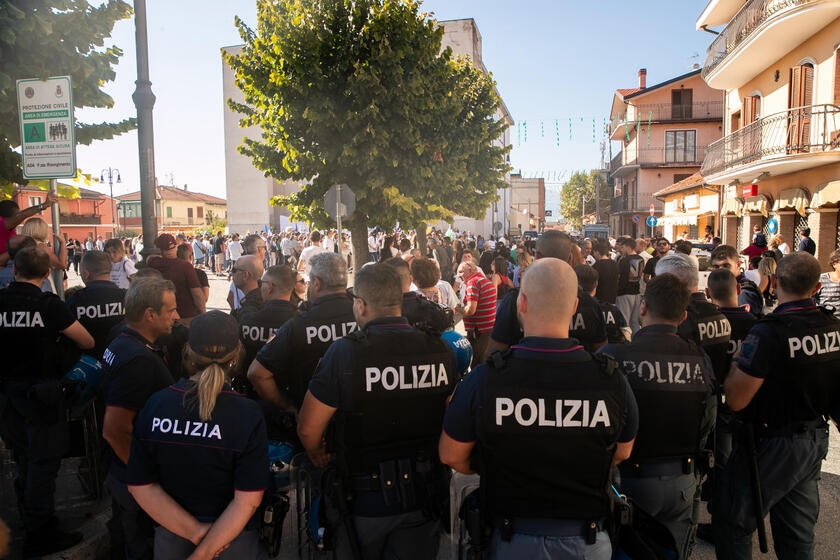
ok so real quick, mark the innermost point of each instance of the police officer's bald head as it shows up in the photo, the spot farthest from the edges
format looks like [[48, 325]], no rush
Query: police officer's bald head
[[797, 275], [378, 288], [554, 244], [548, 297]]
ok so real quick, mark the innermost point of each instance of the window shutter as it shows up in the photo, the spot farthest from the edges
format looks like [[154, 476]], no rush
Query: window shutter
[[794, 95], [806, 100], [837, 77], [687, 101], [748, 110], [795, 84]]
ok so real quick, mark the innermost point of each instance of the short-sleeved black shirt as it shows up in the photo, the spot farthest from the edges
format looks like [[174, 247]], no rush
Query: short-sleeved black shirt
[[607, 280], [30, 323], [134, 371], [257, 326], [98, 307], [171, 445], [630, 269]]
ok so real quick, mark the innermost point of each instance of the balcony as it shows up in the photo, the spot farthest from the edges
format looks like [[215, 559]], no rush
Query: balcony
[[636, 203], [649, 158], [79, 219], [781, 143], [615, 163], [762, 32], [659, 113]]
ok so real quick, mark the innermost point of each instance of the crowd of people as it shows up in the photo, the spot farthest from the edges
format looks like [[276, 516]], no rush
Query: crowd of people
[[595, 376]]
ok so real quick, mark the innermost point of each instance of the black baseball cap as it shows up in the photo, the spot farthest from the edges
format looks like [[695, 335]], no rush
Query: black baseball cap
[[214, 334]]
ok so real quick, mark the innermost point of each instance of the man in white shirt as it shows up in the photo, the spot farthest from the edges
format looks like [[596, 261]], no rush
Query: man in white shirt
[[329, 241], [372, 247], [100, 245], [235, 248], [307, 254]]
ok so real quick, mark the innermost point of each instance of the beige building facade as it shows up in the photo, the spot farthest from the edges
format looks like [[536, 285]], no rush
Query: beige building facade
[[778, 164], [177, 210]]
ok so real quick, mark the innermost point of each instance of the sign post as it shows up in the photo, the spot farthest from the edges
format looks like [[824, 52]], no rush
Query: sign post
[[47, 139], [339, 203], [651, 222]]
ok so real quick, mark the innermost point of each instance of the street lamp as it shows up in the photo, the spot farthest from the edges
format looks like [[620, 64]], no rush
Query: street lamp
[[110, 172]]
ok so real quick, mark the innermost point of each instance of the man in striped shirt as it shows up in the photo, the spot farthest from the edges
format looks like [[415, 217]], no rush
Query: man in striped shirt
[[479, 309]]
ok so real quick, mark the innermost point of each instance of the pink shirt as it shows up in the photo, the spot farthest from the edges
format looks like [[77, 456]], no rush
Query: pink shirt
[[5, 235]]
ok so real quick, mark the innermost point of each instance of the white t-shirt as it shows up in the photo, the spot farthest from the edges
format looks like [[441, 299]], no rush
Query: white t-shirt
[[121, 271], [784, 248], [372, 245], [238, 296], [307, 254], [235, 249]]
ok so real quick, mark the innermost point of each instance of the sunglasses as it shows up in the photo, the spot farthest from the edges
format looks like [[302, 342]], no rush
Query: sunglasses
[[234, 270], [261, 283]]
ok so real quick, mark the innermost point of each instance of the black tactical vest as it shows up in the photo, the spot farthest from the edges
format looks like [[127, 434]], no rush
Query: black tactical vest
[[328, 319], [257, 326], [807, 385], [672, 383], [425, 314], [587, 324], [614, 322], [98, 307], [741, 322], [710, 329], [547, 437], [400, 383]]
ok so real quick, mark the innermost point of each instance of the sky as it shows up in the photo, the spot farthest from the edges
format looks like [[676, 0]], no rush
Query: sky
[[553, 60]]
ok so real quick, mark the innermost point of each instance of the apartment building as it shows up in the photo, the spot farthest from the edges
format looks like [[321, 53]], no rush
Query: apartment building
[[177, 210], [87, 216], [778, 163], [663, 131], [527, 204]]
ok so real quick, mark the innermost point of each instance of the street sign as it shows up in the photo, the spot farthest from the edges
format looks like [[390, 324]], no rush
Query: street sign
[[651, 221], [548, 213], [636, 218], [652, 211], [45, 114], [339, 202], [773, 226]]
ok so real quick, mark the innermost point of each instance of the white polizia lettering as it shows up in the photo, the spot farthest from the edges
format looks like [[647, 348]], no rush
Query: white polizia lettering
[[329, 333], [714, 329], [676, 373], [21, 319], [815, 344], [182, 427], [257, 334], [100, 310], [571, 413], [423, 376]]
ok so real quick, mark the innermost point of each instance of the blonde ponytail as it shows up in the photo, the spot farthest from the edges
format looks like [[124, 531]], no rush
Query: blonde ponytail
[[211, 380]]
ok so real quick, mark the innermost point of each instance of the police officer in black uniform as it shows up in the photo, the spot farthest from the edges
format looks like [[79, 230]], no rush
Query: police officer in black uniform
[[246, 273], [257, 325], [281, 371], [419, 311], [587, 324], [199, 425], [134, 371], [784, 382], [673, 381], [722, 289], [387, 387], [617, 329], [32, 419], [99, 305], [548, 420]]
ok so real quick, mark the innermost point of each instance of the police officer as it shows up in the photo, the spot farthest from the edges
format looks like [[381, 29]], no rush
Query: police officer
[[246, 273], [722, 289], [134, 371], [99, 305], [32, 420], [785, 381], [587, 323], [387, 387], [258, 325], [617, 329], [549, 420], [727, 257], [281, 371], [704, 323], [673, 381], [419, 311], [196, 426]]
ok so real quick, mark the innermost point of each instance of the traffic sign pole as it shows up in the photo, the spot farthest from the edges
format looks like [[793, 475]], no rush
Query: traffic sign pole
[[338, 212]]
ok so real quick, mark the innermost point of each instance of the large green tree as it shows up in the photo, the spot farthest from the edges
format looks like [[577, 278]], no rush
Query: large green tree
[[583, 186], [42, 38], [359, 92]]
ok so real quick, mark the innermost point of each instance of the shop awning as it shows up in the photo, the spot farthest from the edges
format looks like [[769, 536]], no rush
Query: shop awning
[[792, 199], [734, 206], [757, 205], [827, 194], [681, 220]]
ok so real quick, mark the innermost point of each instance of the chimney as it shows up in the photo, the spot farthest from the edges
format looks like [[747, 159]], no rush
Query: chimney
[[642, 78], [185, 186]]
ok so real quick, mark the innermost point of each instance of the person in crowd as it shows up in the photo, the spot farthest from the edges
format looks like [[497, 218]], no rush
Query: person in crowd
[[752, 273], [198, 251], [828, 294], [709, 236], [767, 274], [442, 257], [726, 257], [379, 431], [499, 277], [630, 269], [185, 253], [99, 305], [188, 292], [607, 272], [309, 252], [11, 216], [7, 273], [218, 252], [39, 230], [756, 247], [419, 311], [542, 485], [33, 421], [523, 260], [586, 251], [478, 309], [806, 244], [252, 245], [661, 247], [614, 323], [122, 269], [202, 516], [778, 246], [246, 274]]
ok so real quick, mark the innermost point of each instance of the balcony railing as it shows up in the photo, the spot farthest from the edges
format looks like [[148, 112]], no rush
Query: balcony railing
[[796, 131], [655, 157], [76, 219], [752, 15], [636, 202], [669, 112], [615, 162]]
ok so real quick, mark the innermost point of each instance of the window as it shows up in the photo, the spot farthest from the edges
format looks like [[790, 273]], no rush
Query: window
[[680, 176], [35, 200], [752, 109], [735, 122], [680, 146], [189, 212], [168, 211], [681, 103], [199, 212]]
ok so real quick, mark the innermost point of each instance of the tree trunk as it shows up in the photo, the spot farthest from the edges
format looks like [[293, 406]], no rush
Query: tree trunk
[[421, 238], [359, 238]]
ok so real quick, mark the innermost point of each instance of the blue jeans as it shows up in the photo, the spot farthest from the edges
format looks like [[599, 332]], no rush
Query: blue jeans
[[531, 547]]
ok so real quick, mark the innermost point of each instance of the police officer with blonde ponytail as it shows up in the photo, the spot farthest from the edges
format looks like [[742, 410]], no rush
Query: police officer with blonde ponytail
[[199, 454]]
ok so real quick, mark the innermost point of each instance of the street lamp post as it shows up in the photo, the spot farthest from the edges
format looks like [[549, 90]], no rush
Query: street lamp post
[[110, 172]]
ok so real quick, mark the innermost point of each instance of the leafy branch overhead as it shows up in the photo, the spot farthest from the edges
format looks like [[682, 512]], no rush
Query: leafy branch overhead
[[43, 38], [359, 92]]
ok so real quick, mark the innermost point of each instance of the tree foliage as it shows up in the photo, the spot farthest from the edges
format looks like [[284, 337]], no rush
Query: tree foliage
[[359, 92], [583, 184], [43, 38]]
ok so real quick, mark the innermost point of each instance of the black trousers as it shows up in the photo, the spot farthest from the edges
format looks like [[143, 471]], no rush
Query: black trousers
[[38, 443]]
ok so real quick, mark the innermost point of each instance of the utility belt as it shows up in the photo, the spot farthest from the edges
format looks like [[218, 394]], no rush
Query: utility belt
[[703, 463], [544, 527], [794, 429], [410, 484]]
